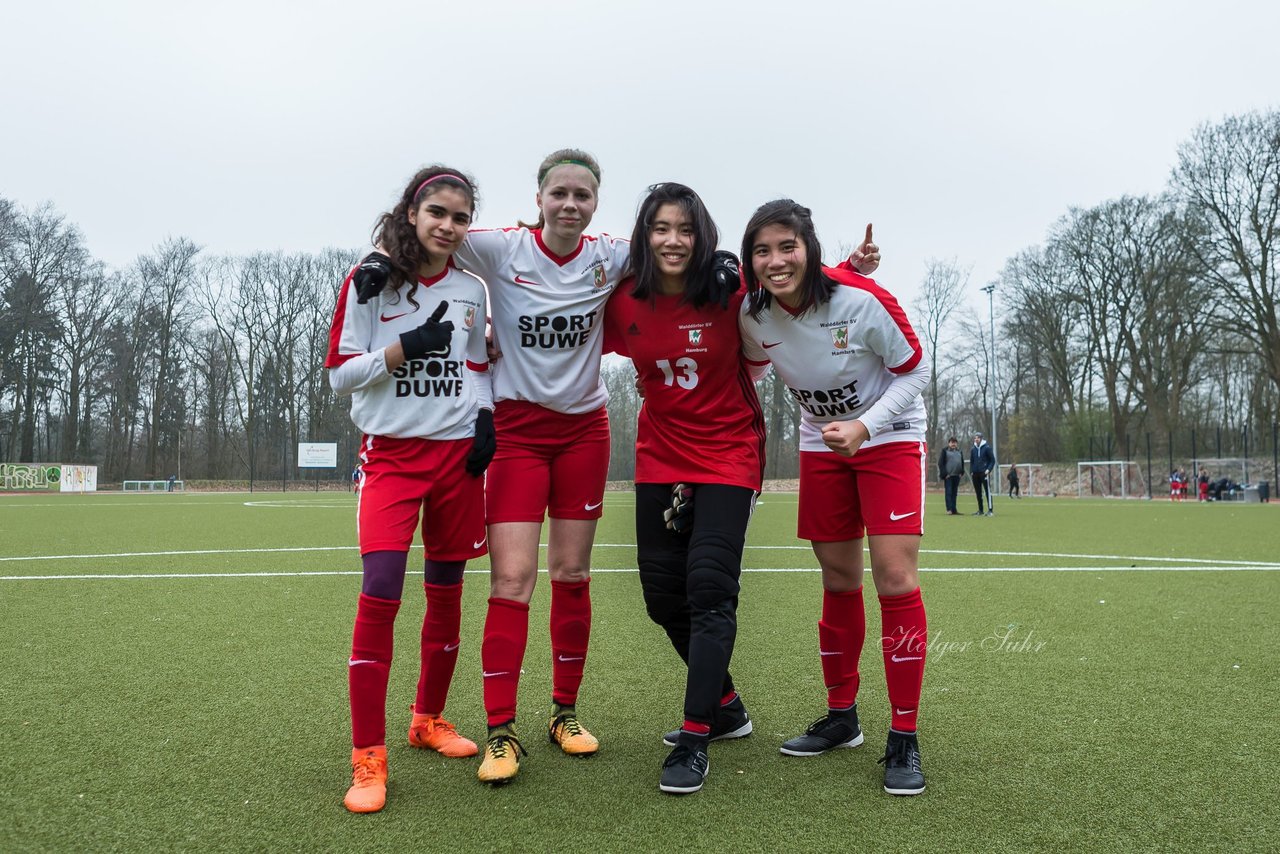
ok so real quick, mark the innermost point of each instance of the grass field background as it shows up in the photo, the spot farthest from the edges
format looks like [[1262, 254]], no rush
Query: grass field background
[[1113, 688]]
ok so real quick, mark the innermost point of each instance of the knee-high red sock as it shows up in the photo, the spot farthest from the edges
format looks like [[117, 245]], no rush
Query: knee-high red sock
[[841, 632], [368, 669], [905, 639], [440, 627], [570, 632], [506, 634]]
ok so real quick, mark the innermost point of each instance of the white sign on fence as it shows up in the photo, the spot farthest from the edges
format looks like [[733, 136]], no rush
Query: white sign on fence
[[317, 455], [79, 478]]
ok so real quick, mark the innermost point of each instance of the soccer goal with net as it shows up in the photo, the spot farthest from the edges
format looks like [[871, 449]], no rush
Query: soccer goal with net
[[1110, 479], [1235, 468], [1026, 477]]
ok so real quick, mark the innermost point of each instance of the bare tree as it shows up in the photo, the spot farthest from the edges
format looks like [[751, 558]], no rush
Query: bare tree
[[1230, 174], [940, 294]]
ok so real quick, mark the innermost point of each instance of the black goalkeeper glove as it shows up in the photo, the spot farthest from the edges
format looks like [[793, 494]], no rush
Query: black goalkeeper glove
[[679, 516], [431, 338], [372, 276], [727, 278], [485, 445]]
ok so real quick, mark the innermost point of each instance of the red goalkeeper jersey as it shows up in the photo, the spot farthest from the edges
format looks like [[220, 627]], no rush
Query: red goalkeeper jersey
[[701, 420]]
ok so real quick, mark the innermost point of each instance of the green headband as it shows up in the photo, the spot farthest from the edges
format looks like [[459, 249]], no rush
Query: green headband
[[568, 161]]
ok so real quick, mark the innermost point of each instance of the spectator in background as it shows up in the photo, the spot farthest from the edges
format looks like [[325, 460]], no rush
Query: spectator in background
[[1015, 490], [169, 486], [981, 461], [950, 470]]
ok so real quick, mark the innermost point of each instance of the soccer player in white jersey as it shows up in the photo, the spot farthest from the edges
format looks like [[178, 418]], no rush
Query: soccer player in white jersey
[[409, 349], [852, 362]]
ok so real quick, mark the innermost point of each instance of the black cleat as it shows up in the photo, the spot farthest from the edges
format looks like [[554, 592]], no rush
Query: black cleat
[[731, 721], [902, 774], [838, 728], [686, 766]]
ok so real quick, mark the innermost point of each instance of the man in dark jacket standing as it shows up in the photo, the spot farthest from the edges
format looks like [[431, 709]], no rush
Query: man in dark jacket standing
[[981, 461], [950, 470]]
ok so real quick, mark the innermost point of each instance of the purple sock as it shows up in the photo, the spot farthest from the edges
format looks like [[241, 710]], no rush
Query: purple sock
[[384, 574], [443, 572]]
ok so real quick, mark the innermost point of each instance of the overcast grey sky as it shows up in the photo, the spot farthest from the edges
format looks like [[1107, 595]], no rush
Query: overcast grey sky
[[960, 130]]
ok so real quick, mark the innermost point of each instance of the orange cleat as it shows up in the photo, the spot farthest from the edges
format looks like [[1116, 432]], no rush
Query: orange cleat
[[501, 756], [368, 792], [432, 732]]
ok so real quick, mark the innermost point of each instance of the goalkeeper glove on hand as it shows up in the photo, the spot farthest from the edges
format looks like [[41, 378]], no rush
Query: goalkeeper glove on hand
[[371, 276], [725, 274], [485, 445], [431, 338], [679, 516]]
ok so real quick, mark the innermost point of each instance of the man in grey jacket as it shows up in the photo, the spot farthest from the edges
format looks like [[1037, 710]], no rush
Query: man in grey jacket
[[950, 470]]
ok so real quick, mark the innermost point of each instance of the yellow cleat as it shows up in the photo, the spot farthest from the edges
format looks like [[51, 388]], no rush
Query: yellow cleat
[[368, 792], [432, 732], [501, 756], [572, 737]]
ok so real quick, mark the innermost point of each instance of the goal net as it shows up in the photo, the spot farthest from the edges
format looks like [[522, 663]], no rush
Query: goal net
[[1027, 473], [1236, 469], [1110, 479]]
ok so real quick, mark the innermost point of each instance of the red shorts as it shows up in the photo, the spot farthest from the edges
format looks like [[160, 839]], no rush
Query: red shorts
[[547, 462], [879, 489], [405, 479]]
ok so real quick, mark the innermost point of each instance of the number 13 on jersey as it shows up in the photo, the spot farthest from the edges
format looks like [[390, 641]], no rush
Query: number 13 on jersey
[[684, 375]]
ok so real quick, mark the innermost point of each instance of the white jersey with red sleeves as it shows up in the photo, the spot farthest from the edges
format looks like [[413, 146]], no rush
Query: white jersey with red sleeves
[[701, 421], [547, 313], [435, 397], [839, 358]]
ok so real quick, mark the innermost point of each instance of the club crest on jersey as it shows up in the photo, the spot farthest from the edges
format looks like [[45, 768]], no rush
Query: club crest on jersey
[[840, 337], [599, 277], [469, 319], [695, 336]]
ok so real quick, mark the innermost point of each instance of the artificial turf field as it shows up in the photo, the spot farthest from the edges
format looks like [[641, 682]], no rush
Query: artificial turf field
[[175, 678]]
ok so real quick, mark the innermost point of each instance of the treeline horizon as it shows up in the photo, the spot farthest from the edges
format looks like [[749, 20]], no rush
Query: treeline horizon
[[1142, 322]]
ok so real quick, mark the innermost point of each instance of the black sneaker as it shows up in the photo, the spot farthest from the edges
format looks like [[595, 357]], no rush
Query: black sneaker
[[902, 774], [731, 721], [685, 767], [837, 728]]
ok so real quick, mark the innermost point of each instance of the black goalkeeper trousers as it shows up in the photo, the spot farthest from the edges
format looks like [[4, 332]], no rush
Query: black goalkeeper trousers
[[690, 583]]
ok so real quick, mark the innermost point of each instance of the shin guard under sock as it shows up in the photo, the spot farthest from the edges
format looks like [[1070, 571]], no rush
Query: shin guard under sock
[[506, 634], [841, 632], [570, 632], [369, 668], [905, 640], [440, 639]]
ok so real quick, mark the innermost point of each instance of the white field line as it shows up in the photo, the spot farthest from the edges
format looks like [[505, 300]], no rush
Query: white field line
[[1075, 555], [793, 569]]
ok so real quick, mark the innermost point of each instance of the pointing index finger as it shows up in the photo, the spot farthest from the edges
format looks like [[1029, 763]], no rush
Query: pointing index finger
[[867, 240]]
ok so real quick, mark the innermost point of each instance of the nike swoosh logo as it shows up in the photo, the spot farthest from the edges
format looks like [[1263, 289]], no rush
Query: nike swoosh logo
[[594, 506], [893, 517], [487, 674], [521, 280], [774, 344], [897, 711], [451, 647], [571, 658], [385, 319], [901, 658], [353, 662], [824, 652], [479, 544]]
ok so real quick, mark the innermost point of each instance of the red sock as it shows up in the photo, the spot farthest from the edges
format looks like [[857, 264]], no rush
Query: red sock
[[570, 631], [368, 669], [728, 698], [840, 635], [905, 638], [506, 634], [440, 642], [696, 727]]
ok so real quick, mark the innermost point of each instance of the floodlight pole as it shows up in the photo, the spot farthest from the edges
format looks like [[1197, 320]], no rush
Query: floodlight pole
[[993, 378]]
